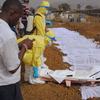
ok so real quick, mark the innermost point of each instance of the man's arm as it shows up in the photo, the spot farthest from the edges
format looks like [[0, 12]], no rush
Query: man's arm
[[21, 54], [24, 45], [10, 55]]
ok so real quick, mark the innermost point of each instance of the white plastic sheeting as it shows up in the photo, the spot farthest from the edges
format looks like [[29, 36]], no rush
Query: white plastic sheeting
[[80, 50], [90, 92], [83, 55]]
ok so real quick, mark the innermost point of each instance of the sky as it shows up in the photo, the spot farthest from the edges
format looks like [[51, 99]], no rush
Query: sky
[[73, 3]]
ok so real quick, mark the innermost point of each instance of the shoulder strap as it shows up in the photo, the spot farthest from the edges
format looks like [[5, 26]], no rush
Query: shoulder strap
[[37, 15]]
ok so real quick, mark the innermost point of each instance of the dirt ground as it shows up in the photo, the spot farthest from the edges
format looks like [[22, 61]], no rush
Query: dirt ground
[[54, 91]]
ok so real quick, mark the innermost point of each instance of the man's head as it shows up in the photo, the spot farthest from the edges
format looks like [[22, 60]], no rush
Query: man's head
[[12, 11]]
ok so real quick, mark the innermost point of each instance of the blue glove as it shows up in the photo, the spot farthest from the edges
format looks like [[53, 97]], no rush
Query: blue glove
[[52, 38], [35, 72], [49, 23]]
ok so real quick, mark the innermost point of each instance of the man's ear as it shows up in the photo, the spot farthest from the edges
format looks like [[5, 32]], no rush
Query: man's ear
[[11, 12]]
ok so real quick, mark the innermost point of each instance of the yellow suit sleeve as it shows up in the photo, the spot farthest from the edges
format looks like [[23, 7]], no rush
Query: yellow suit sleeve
[[40, 25]]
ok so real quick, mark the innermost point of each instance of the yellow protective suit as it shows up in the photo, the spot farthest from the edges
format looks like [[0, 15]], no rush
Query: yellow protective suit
[[48, 37], [33, 57], [39, 22], [41, 40]]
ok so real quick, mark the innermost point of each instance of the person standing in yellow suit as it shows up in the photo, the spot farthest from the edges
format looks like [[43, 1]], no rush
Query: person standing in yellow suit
[[41, 30], [42, 38]]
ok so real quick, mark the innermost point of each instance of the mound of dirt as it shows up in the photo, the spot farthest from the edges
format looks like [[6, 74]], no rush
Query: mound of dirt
[[54, 58], [50, 91]]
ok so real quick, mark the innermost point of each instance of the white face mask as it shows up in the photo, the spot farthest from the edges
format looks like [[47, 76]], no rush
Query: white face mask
[[46, 12]]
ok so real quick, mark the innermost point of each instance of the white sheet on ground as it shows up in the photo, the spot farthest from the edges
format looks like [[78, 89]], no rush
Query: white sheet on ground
[[60, 75], [90, 92], [80, 50], [83, 55]]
